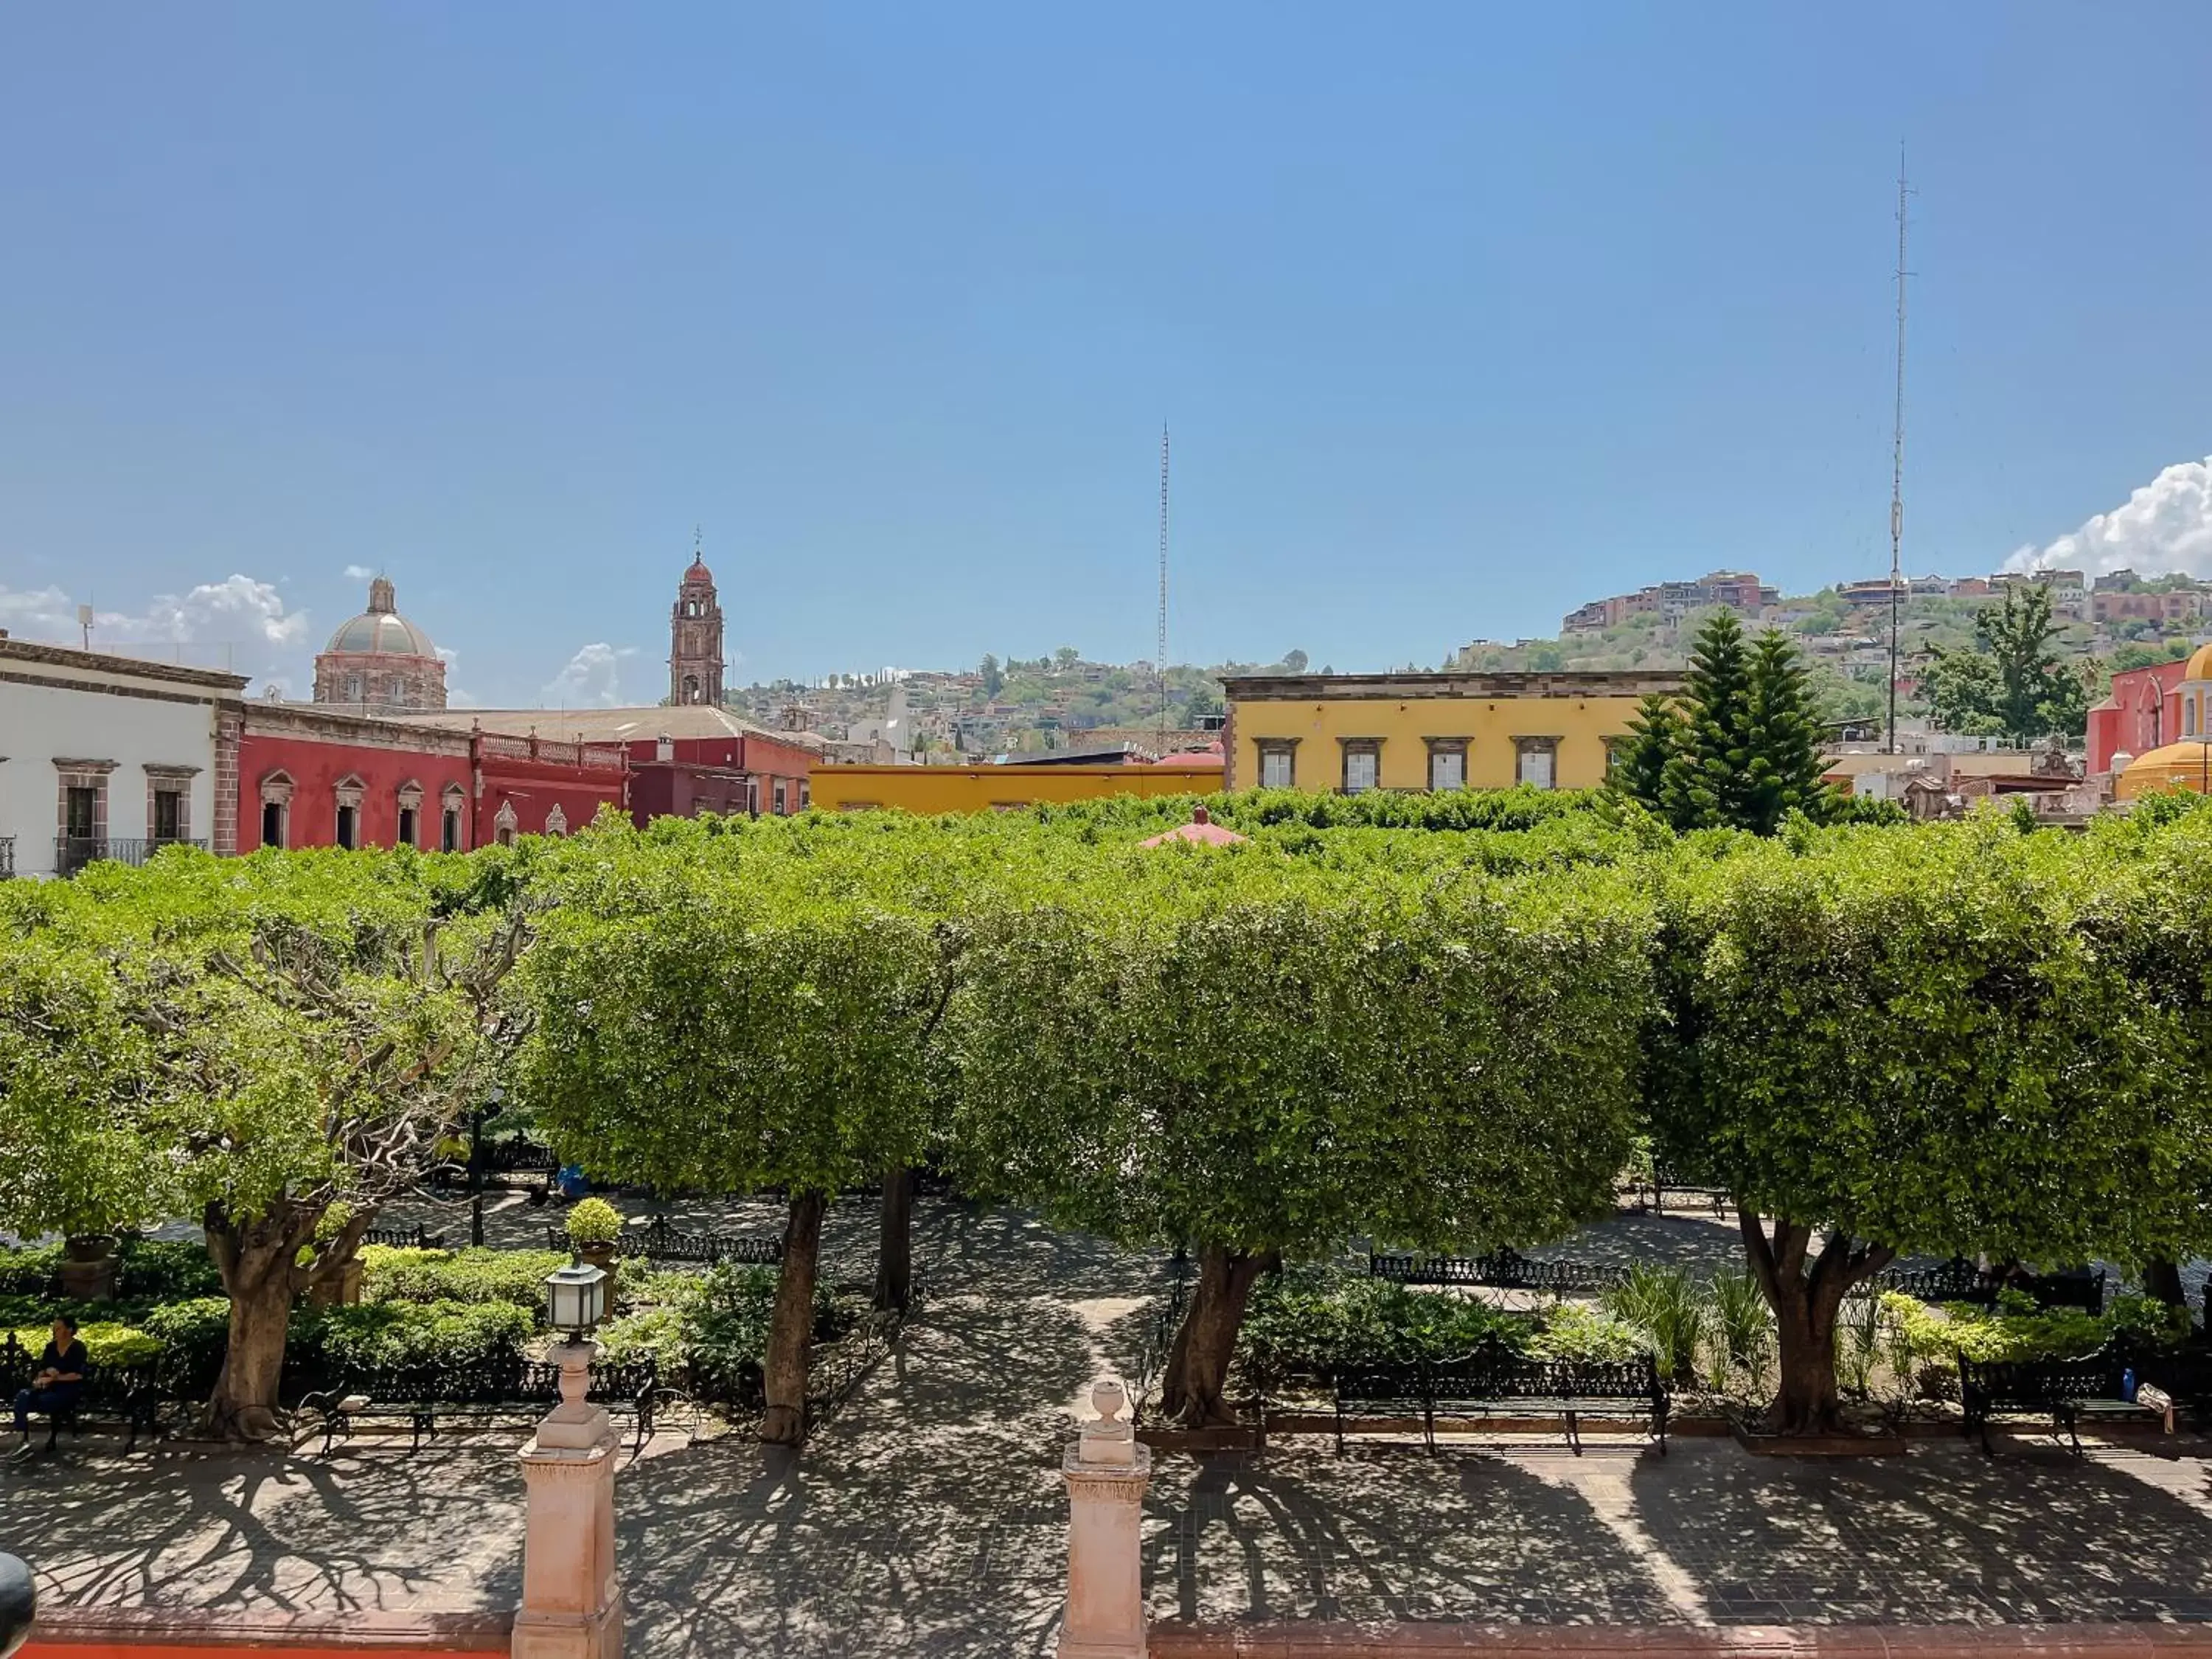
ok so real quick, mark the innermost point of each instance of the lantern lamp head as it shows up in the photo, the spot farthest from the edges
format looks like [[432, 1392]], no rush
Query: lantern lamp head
[[576, 1299]]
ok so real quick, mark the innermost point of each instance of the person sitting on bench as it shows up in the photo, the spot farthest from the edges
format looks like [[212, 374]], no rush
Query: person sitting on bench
[[60, 1377]]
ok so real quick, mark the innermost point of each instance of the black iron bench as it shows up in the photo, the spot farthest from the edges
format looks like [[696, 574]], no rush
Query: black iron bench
[[423, 1396], [1507, 1269], [2064, 1390], [1488, 1384], [660, 1242], [1664, 1181], [130, 1397]]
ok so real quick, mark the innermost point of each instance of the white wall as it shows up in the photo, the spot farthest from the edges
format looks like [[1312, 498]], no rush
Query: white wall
[[84, 721]]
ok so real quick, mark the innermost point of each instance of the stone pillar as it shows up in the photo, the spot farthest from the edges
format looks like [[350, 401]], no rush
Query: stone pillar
[[571, 1598], [1107, 1471]]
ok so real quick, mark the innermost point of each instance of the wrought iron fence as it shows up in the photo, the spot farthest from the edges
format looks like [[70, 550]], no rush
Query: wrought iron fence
[[400, 1239], [73, 853], [1506, 1269], [1961, 1281]]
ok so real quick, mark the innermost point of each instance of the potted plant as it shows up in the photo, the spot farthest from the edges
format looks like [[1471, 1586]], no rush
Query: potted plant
[[87, 1269], [594, 1226]]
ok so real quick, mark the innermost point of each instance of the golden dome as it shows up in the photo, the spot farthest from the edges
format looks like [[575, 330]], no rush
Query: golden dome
[[2200, 664], [2188, 764]]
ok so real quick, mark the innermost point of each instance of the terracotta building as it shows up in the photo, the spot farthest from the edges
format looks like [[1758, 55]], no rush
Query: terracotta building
[[379, 661], [317, 777], [695, 640], [2143, 712]]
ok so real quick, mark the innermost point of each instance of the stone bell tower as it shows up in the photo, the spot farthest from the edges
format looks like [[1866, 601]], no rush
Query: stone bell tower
[[695, 639]]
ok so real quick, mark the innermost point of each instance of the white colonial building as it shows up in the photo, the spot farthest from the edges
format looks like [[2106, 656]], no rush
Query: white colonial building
[[105, 756]]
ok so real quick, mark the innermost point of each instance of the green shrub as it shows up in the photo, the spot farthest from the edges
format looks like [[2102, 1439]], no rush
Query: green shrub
[[107, 1342], [1315, 1320], [378, 1333], [659, 1333], [195, 1335], [594, 1222], [514, 1277], [1742, 1331], [167, 1270], [1669, 1307], [28, 1270], [1576, 1331]]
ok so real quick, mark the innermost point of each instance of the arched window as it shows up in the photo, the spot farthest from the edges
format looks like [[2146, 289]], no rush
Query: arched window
[[556, 821], [690, 688]]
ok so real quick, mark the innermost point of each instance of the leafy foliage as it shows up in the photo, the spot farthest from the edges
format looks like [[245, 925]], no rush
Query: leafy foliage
[[2014, 683], [594, 1221], [516, 1278]]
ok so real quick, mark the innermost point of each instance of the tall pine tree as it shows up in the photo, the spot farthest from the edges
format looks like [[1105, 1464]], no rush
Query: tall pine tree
[[1784, 773], [1707, 781], [1740, 749], [1639, 765]]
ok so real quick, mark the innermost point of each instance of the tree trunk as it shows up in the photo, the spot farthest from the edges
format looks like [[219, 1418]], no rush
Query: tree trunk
[[894, 1256], [256, 1259], [1198, 1365], [1806, 1303], [2162, 1281], [791, 1330]]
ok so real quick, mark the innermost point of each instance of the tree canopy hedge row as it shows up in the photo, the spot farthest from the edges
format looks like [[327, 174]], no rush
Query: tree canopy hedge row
[[1435, 1020]]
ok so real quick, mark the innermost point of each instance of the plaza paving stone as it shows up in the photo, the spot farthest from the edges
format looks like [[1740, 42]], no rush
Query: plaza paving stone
[[927, 1517]]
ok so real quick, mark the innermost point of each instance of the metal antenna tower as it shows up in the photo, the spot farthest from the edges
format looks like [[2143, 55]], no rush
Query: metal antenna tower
[[1160, 660], [1896, 465]]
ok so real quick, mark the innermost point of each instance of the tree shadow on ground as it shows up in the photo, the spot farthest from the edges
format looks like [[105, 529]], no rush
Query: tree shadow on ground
[[1386, 1534], [261, 1528], [2032, 1534], [928, 1516]]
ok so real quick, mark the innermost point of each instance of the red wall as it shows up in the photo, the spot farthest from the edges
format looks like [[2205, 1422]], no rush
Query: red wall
[[316, 768], [534, 787], [2143, 712]]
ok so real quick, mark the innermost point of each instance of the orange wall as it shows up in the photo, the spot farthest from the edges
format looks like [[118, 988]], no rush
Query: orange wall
[[932, 789]]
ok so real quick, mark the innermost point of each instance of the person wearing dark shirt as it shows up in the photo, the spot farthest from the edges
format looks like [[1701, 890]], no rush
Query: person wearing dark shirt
[[60, 1377]]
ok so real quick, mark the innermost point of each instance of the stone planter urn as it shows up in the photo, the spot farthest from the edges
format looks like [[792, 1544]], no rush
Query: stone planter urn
[[87, 1268], [601, 1257], [340, 1290]]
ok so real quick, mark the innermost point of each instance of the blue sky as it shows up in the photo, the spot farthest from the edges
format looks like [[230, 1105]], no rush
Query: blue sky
[[1461, 314]]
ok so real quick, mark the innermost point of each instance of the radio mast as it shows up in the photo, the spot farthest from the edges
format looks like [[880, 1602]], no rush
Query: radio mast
[[1897, 466], [1160, 657]]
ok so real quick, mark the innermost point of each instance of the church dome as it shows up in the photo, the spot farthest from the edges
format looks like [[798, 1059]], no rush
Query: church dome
[[698, 573], [380, 629], [2187, 764], [2200, 664]]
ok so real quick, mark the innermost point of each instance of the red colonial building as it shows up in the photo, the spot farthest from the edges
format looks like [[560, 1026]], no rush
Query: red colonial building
[[311, 776], [2142, 714]]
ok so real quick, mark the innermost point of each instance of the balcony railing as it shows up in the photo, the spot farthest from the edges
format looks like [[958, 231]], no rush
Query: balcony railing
[[73, 853]]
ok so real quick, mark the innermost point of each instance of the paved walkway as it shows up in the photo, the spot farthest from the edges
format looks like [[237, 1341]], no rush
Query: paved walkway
[[927, 1518]]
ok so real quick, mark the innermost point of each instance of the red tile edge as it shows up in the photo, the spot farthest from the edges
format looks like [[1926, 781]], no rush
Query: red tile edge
[[157, 1632], [1423, 1640]]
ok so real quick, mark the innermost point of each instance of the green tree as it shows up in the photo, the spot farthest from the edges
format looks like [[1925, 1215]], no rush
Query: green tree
[[1708, 779], [1234, 1052], [259, 1044], [2014, 683], [1294, 662], [1893, 1043], [1783, 775], [733, 1012], [1066, 658], [993, 679], [1639, 765]]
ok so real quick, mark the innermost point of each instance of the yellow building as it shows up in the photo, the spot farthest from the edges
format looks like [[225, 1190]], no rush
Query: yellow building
[[2186, 764], [931, 789], [1359, 732]]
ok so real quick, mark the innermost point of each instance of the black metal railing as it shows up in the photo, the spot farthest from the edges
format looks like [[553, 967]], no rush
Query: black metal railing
[[660, 1242], [400, 1239], [73, 853], [1960, 1280], [7, 857], [1506, 1269]]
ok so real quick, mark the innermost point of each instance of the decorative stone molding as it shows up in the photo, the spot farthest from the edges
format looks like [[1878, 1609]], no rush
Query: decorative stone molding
[[277, 789], [556, 821], [410, 795], [350, 790], [1106, 1472]]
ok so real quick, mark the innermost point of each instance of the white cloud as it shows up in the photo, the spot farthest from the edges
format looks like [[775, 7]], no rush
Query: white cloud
[[359, 573], [2166, 526], [591, 679], [239, 623], [456, 698]]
